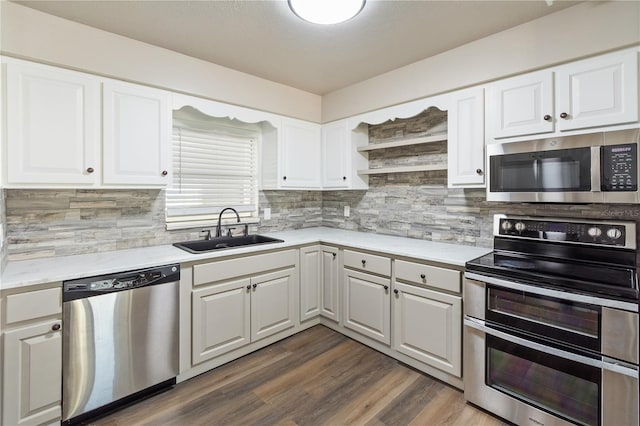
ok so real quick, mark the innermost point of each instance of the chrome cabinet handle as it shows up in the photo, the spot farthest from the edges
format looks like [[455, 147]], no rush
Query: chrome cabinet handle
[[423, 276], [396, 291], [547, 117], [254, 286], [564, 115], [386, 287], [479, 171], [249, 287], [90, 170], [55, 327], [334, 255], [164, 173], [364, 262]]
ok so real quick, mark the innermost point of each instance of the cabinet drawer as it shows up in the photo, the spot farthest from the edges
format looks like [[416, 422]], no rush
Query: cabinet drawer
[[232, 268], [432, 276], [33, 304], [367, 262]]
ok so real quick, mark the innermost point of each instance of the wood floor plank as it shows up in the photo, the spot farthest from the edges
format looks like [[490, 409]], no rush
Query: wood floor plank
[[316, 377]]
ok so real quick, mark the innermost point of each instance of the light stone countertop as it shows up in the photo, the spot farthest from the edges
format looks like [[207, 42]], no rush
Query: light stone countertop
[[40, 271]]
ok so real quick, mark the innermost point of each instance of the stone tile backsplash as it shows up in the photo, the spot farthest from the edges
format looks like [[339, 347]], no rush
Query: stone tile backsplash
[[3, 233]]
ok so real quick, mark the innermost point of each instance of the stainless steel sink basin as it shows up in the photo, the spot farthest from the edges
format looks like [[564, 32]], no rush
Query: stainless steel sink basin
[[222, 243]]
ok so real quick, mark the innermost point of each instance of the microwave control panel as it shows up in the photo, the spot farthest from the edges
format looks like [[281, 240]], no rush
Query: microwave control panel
[[619, 167]]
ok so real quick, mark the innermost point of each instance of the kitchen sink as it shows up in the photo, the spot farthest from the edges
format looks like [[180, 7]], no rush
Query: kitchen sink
[[222, 243]]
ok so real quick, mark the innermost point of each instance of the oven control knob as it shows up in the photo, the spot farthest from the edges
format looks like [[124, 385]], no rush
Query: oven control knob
[[614, 233], [506, 225], [594, 232], [520, 226]]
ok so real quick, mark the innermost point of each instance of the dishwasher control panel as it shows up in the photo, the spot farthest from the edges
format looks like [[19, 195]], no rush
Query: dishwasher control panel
[[92, 286]]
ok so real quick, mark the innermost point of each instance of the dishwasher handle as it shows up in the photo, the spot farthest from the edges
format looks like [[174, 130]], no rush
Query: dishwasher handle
[[102, 284]]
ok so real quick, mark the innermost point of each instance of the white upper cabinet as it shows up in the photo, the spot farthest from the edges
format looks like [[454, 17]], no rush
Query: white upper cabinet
[[53, 125], [465, 146], [54, 120], [291, 155], [599, 92], [521, 105], [136, 129], [300, 154], [341, 159]]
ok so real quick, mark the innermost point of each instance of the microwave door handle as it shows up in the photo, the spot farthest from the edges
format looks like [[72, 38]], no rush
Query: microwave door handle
[[615, 367], [595, 169]]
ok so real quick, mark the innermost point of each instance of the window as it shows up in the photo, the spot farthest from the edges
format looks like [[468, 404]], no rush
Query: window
[[215, 165]]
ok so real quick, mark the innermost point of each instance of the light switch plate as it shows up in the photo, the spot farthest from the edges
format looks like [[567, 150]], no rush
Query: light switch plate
[[267, 213], [347, 211]]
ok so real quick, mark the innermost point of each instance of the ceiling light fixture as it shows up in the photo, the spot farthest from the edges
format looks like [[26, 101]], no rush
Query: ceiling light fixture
[[326, 12]]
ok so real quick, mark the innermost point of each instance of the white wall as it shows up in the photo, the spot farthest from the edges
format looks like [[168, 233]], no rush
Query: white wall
[[583, 30], [33, 35]]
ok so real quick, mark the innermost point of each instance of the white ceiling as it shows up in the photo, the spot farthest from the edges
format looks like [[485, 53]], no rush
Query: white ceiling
[[265, 39]]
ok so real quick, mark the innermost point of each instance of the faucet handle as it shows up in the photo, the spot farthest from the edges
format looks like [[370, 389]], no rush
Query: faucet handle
[[229, 229], [207, 233], [246, 229]]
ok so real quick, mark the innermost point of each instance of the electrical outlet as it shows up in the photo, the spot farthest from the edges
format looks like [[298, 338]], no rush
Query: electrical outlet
[[347, 211], [267, 213]]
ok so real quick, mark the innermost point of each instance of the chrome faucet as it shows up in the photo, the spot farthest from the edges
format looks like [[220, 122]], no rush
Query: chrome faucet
[[219, 227]]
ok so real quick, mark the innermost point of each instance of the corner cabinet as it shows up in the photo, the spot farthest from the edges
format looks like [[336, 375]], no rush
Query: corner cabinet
[[319, 283], [291, 156], [591, 93], [32, 357], [465, 146], [60, 134]]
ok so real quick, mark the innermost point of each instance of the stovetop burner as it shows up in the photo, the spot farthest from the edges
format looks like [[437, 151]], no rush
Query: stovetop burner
[[602, 266]]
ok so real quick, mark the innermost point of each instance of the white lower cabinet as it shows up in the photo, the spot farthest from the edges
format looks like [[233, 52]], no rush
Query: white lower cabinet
[[427, 326], [272, 303], [32, 357], [227, 304], [367, 305], [319, 282], [32, 374], [239, 301]]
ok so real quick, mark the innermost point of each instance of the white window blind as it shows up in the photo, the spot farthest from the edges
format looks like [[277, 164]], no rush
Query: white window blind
[[213, 168]]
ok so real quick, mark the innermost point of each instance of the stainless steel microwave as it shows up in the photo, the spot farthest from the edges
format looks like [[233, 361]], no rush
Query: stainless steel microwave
[[592, 168]]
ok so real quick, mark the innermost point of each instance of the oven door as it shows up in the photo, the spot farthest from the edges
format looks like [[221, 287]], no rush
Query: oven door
[[529, 383]]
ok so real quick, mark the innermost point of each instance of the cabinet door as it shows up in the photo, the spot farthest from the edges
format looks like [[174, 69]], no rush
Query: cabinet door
[[273, 303], [367, 306], [466, 139], [310, 282], [221, 319], [330, 284], [521, 105], [53, 125], [136, 135], [32, 374], [598, 92], [335, 155], [300, 154], [428, 327]]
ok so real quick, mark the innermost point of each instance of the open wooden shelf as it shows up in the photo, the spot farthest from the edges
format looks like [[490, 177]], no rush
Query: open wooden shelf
[[403, 169], [405, 142]]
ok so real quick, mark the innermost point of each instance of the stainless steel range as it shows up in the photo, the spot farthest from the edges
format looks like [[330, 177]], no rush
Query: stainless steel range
[[551, 323]]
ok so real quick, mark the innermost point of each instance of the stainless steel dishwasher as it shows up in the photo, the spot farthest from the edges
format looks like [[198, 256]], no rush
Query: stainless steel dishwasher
[[120, 339]]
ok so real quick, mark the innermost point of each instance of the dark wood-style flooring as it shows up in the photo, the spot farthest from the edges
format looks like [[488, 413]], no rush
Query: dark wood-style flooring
[[316, 377]]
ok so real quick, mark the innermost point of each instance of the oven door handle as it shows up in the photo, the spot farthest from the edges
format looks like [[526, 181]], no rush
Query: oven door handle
[[612, 365], [564, 295]]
